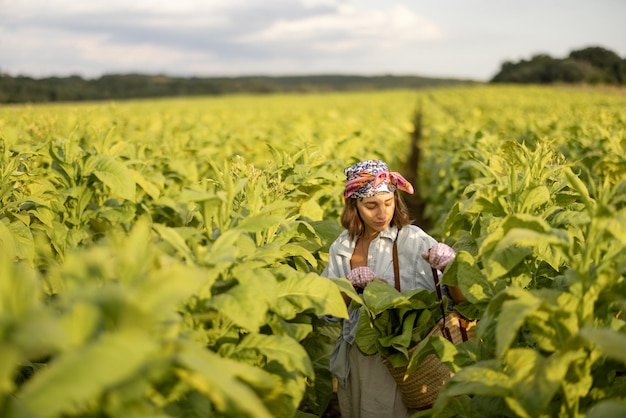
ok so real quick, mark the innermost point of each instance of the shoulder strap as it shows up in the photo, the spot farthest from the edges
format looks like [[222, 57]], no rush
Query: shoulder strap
[[396, 268]]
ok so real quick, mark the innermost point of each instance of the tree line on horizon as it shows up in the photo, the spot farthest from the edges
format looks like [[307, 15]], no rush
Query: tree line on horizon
[[23, 89], [593, 65]]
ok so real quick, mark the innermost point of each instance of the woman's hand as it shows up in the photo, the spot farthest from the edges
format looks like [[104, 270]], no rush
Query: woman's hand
[[361, 276], [439, 256]]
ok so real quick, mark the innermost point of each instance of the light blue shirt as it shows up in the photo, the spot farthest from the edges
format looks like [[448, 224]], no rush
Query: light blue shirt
[[415, 273]]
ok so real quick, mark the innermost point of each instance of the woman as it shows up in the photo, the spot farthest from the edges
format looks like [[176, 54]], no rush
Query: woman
[[374, 216]]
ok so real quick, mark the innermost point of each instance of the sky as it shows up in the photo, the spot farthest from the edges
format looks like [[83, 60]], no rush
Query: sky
[[468, 39]]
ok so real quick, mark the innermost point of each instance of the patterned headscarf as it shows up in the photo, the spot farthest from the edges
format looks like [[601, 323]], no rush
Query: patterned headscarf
[[370, 177]]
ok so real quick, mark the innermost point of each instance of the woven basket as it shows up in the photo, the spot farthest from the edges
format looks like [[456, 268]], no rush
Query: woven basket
[[421, 388]]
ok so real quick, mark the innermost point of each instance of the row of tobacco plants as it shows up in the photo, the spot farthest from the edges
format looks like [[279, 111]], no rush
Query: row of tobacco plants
[[162, 258], [532, 194]]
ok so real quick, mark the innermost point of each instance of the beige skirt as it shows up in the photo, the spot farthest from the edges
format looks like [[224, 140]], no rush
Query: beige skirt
[[370, 391]]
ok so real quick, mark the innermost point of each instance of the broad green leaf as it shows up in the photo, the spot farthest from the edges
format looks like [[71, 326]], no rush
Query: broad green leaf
[[380, 296], [76, 236], [7, 243], [516, 245], [527, 237], [248, 302], [45, 215], [284, 350], [609, 408], [230, 244], [198, 196], [577, 184], [181, 167], [41, 187], [115, 213], [327, 230], [58, 237], [32, 202], [535, 198], [446, 351], [280, 326], [552, 254], [525, 221], [80, 323], [486, 200], [259, 222], [20, 291], [11, 357], [82, 375], [167, 288], [458, 406], [430, 346], [345, 287], [318, 397], [403, 339], [266, 255], [297, 250], [287, 360], [513, 314], [311, 209], [480, 379], [366, 337], [505, 258], [22, 217], [471, 281], [172, 237], [37, 334], [535, 378], [610, 342], [147, 186], [616, 226], [219, 379], [422, 298], [309, 292], [113, 174]]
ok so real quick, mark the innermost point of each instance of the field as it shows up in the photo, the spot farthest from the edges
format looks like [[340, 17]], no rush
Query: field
[[161, 258]]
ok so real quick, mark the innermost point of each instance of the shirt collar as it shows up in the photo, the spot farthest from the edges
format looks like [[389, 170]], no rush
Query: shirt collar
[[391, 232], [347, 245]]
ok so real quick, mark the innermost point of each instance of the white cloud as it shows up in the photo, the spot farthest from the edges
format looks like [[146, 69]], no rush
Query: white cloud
[[351, 28], [41, 52]]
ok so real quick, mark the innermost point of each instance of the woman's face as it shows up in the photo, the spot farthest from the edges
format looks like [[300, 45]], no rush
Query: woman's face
[[376, 211]]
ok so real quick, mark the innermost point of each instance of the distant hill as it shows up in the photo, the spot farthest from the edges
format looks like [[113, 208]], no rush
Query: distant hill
[[21, 89]]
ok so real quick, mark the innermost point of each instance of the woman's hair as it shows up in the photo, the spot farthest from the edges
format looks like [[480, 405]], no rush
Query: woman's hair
[[351, 220]]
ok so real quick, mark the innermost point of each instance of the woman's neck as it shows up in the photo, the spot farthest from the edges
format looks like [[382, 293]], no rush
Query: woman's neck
[[369, 235]]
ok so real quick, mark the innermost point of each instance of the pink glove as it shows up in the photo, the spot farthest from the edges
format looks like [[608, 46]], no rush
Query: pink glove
[[361, 276], [439, 256]]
